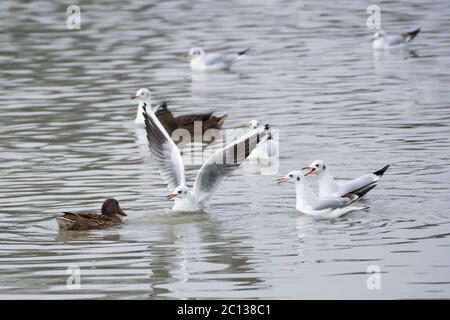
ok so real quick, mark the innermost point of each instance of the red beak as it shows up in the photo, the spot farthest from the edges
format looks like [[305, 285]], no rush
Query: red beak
[[171, 196], [311, 170]]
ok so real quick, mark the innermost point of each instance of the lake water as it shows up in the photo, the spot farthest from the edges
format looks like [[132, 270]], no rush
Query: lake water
[[68, 141]]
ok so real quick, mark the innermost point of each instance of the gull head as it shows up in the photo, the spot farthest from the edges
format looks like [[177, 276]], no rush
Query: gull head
[[143, 95], [253, 124], [378, 35], [195, 53], [179, 192], [293, 176], [317, 167]]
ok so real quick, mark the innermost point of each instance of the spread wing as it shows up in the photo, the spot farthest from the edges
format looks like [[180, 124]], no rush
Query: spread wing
[[223, 162], [166, 154]]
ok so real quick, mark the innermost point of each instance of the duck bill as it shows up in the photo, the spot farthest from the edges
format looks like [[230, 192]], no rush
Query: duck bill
[[282, 180], [310, 171], [171, 196], [134, 97], [122, 213]]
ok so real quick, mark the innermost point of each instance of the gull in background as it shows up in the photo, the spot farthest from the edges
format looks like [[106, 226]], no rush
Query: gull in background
[[324, 207], [382, 41], [144, 97], [267, 149], [328, 186], [200, 61], [218, 166]]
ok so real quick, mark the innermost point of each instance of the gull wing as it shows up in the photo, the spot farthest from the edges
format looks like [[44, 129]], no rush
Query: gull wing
[[223, 162], [165, 153], [330, 203]]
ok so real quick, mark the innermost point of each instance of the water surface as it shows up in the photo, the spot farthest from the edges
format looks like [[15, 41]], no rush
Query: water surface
[[68, 142]]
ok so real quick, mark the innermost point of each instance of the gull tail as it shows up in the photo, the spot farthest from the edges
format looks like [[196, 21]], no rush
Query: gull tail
[[245, 51], [408, 36], [380, 172]]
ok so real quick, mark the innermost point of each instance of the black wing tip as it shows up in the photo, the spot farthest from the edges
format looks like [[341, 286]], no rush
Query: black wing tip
[[266, 126], [245, 51], [358, 194], [380, 172], [411, 35]]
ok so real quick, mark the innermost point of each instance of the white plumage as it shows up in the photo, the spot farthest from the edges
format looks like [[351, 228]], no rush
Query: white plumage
[[200, 61], [382, 41], [219, 165], [328, 186], [326, 207]]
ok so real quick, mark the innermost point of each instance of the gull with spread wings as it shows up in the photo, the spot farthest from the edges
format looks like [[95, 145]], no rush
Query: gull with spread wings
[[168, 158]]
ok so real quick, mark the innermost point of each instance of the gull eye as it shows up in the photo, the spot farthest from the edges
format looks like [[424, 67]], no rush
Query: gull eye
[[324, 167], [317, 165], [298, 178], [179, 192], [291, 176]]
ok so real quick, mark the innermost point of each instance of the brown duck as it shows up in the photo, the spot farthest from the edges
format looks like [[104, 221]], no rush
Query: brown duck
[[171, 123], [111, 215]]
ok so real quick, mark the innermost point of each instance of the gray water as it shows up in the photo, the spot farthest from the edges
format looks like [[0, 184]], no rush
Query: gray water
[[68, 141]]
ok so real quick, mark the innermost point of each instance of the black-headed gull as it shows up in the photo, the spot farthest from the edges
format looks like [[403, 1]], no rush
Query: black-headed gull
[[266, 150], [200, 61], [382, 41], [219, 165], [328, 186], [145, 98], [325, 207]]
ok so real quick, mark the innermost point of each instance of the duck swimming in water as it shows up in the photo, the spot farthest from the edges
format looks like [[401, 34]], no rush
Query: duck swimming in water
[[111, 215], [171, 123], [187, 121]]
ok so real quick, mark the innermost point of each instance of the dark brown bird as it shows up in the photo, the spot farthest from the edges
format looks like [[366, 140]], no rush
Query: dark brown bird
[[171, 123], [111, 215]]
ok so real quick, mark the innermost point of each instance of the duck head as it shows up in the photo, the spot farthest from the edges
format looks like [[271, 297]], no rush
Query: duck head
[[111, 208]]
